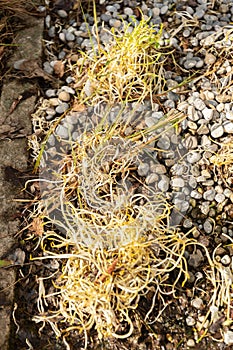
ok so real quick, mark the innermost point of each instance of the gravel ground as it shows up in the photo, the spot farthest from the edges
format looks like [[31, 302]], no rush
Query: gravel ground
[[198, 183]]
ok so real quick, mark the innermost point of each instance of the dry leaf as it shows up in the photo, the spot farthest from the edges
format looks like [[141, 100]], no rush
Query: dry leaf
[[59, 68], [37, 227], [31, 69]]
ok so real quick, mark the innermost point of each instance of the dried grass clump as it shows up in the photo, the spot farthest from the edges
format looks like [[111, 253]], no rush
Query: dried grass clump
[[130, 68], [99, 288], [91, 188]]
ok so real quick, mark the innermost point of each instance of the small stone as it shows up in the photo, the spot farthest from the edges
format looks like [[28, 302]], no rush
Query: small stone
[[143, 169], [203, 130], [209, 58], [226, 260], [192, 113], [228, 337], [50, 92], [62, 132], [199, 104], [220, 197], [208, 113], [128, 11], [197, 303], [62, 107], [164, 10], [62, 37], [54, 101], [163, 184], [150, 121], [191, 125], [216, 131], [228, 127], [64, 96], [186, 33], [194, 157], [47, 67], [195, 194], [62, 13], [68, 89], [227, 192], [52, 32], [69, 36], [229, 115], [61, 55], [190, 321], [159, 169], [199, 13], [164, 143], [177, 182], [116, 23], [191, 343], [188, 64], [187, 223], [205, 208], [196, 259], [209, 195], [151, 178], [205, 141], [208, 228]]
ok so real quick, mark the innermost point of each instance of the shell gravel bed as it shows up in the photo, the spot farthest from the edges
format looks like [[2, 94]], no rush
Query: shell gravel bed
[[128, 235]]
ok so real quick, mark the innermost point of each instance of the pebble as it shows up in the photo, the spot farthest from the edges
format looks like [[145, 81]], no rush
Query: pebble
[[209, 194], [177, 182], [226, 260], [116, 23], [228, 337], [64, 96], [50, 92], [190, 321], [54, 101], [216, 131], [199, 104], [195, 194], [228, 127], [208, 228], [197, 303], [62, 37], [229, 115], [209, 58], [62, 107], [68, 89], [208, 113], [164, 10], [47, 67], [62, 13], [164, 143], [62, 131], [196, 259], [220, 197], [69, 36], [194, 157], [128, 11], [158, 169], [191, 343], [151, 178], [203, 130], [143, 169], [188, 64], [52, 32], [163, 184]]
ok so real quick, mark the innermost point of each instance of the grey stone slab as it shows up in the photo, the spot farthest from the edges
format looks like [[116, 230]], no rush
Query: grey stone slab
[[14, 127]]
